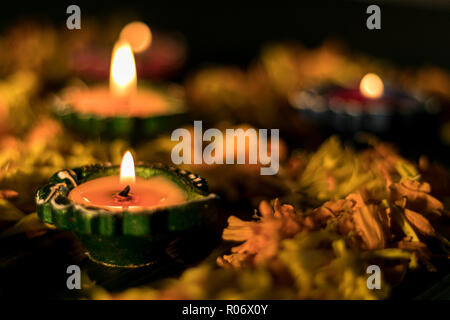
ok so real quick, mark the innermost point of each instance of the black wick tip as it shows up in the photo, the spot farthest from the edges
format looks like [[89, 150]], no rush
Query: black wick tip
[[125, 192]]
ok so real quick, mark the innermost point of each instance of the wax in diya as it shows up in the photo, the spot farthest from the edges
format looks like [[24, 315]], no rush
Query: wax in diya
[[123, 110], [370, 106], [126, 216]]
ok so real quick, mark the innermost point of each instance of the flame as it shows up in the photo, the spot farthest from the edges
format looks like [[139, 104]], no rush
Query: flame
[[127, 173], [138, 35], [371, 86], [122, 77]]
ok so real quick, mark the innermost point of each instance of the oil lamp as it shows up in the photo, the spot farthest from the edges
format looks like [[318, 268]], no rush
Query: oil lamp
[[159, 55], [128, 192], [123, 110], [370, 106], [126, 216]]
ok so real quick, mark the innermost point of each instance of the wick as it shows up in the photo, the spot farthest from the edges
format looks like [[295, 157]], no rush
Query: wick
[[123, 196], [124, 193]]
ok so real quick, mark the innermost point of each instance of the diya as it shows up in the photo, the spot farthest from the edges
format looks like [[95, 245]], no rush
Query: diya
[[372, 106], [159, 55], [126, 216], [123, 110]]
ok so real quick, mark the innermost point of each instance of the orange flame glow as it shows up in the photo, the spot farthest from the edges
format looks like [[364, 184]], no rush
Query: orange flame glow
[[122, 77], [371, 86], [138, 35], [127, 172]]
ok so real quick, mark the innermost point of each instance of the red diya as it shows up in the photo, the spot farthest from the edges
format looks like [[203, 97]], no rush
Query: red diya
[[123, 110], [371, 106], [158, 55]]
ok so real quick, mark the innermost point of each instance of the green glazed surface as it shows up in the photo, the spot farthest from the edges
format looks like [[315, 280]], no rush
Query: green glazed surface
[[134, 128]]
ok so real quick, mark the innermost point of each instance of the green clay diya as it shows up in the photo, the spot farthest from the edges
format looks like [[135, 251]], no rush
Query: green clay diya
[[126, 220], [123, 110], [88, 113]]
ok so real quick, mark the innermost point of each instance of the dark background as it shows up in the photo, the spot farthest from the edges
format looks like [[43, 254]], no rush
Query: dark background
[[413, 32]]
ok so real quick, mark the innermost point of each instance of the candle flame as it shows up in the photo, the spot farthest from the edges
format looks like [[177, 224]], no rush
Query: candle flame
[[122, 77], [127, 173], [371, 86], [138, 35]]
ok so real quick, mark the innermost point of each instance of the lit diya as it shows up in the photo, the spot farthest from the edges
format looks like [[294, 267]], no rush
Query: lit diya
[[126, 216], [123, 110], [158, 55], [371, 106]]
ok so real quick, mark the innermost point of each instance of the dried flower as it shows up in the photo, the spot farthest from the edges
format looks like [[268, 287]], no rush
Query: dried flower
[[418, 198], [262, 237]]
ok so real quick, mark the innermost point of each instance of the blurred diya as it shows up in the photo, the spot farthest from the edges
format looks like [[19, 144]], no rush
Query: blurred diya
[[123, 110], [371, 106], [126, 216], [158, 55]]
